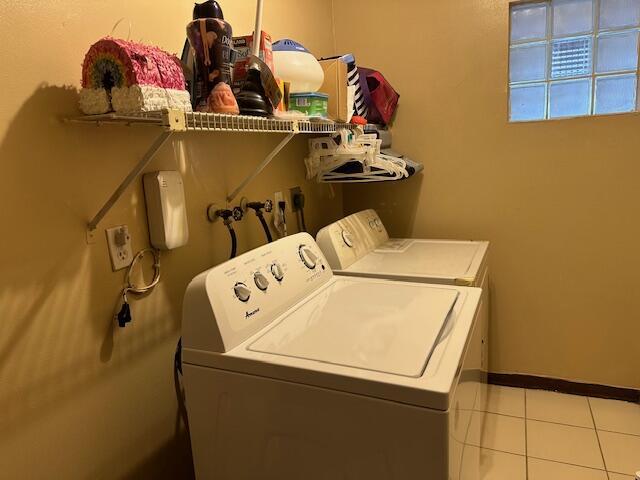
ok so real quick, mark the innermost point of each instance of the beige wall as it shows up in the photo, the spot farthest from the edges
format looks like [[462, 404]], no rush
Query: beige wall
[[80, 399], [558, 200]]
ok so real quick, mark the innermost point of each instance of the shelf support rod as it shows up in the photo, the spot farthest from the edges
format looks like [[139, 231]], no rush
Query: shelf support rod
[[133, 174], [262, 166]]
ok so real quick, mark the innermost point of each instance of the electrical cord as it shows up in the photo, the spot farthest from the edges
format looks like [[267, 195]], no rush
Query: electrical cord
[[302, 223], [298, 202], [124, 316]]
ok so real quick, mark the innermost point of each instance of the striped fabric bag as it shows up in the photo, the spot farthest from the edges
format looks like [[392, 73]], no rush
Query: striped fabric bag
[[353, 79]]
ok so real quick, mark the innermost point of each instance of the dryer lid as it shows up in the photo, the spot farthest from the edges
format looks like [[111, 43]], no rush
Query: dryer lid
[[440, 258], [366, 325]]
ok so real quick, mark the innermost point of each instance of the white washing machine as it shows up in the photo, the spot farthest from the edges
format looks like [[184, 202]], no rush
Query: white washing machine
[[358, 245], [292, 372]]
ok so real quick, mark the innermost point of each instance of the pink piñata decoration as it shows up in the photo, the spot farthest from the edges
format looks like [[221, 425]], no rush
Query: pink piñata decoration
[[131, 77]]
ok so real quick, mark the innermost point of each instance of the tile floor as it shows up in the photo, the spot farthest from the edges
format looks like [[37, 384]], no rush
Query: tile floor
[[539, 435]]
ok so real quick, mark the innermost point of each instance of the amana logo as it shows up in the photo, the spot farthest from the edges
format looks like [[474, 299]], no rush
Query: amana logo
[[251, 313]]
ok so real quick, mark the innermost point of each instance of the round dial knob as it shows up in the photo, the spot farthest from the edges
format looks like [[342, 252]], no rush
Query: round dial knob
[[242, 291], [372, 223], [347, 238], [276, 271], [261, 281], [378, 223], [307, 257]]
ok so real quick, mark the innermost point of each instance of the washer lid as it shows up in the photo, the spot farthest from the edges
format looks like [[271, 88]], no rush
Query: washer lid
[[439, 258], [372, 326]]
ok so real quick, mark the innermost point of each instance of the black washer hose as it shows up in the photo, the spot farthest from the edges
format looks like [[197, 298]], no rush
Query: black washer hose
[[264, 226], [234, 241]]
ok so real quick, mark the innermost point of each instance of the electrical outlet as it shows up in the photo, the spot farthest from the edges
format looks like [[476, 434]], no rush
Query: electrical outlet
[[119, 242], [292, 192]]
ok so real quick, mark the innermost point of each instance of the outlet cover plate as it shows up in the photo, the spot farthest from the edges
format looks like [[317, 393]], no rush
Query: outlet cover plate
[[119, 243]]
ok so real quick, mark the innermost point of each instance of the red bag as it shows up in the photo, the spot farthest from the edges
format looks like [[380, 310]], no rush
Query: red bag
[[379, 95]]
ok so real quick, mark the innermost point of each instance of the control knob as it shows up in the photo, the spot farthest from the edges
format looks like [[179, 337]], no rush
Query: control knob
[[347, 238], [242, 291], [276, 271], [261, 281], [307, 257]]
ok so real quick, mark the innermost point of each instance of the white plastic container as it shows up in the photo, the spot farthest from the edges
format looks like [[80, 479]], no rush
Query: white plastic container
[[296, 65]]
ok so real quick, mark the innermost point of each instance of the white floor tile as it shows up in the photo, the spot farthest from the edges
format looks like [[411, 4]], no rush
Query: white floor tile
[[558, 408], [503, 400], [546, 470], [616, 416], [502, 466], [482, 464], [497, 432], [563, 443], [621, 452]]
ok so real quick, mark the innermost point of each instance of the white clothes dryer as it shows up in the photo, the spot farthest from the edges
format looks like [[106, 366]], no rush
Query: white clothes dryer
[[359, 245]]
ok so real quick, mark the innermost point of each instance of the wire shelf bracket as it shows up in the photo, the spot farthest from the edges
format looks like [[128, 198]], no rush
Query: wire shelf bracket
[[261, 167], [133, 174]]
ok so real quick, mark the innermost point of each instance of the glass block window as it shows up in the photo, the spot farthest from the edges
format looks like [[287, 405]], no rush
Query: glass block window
[[571, 58]]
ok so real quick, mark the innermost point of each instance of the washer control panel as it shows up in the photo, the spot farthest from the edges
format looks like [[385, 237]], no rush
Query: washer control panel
[[227, 304], [348, 240]]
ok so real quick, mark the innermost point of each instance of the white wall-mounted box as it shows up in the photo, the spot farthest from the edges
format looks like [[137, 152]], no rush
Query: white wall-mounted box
[[166, 209]]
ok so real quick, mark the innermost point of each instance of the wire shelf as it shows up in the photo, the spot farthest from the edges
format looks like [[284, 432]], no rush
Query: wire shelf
[[176, 120], [219, 122]]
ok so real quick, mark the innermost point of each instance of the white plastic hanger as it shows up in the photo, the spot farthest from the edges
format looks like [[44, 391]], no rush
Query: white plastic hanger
[[352, 157]]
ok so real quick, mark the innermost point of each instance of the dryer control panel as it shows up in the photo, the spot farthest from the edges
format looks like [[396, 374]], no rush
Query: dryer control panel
[[347, 240], [227, 304]]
